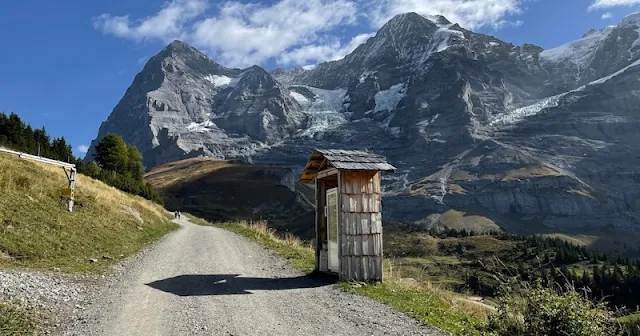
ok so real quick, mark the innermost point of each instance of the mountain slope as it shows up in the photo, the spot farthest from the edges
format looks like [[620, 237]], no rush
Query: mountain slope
[[514, 134], [231, 191]]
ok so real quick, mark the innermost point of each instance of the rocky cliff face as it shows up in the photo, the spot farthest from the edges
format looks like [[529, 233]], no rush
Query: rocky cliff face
[[531, 139]]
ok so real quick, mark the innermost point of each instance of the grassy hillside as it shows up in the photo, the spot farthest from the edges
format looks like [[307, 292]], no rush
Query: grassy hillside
[[227, 191], [36, 231]]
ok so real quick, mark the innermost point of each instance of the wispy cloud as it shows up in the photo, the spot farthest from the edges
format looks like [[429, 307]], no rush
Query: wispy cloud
[[603, 4], [167, 24], [313, 53], [606, 16], [468, 13], [83, 149], [291, 32], [244, 34]]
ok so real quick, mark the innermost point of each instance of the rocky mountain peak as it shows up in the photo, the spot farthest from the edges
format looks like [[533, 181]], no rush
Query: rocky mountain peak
[[590, 32], [179, 48], [631, 19], [408, 24]]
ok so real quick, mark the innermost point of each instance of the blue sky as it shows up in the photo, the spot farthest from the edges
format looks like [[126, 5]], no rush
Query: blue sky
[[65, 64]]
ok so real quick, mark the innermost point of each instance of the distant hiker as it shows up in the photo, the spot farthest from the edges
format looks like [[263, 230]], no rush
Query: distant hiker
[[175, 215], [179, 215]]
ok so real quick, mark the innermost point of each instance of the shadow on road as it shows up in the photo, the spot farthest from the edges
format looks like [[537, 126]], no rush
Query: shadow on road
[[230, 284]]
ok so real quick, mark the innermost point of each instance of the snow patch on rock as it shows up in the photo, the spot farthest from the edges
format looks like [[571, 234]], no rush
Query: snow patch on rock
[[302, 100], [521, 113], [222, 81], [579, 52], [387, 100], [200, 127], [604, 79], [326, 112]]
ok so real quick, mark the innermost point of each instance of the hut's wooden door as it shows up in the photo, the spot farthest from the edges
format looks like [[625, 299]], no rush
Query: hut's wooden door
[[332, 230]]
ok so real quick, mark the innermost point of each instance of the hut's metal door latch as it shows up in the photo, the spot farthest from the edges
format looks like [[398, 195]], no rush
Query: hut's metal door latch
[[326, 211]]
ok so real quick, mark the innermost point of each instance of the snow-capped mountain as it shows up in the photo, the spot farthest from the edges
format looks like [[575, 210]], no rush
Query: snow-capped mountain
[[530, 139]]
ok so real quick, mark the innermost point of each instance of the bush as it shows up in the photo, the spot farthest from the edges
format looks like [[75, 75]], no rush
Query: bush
[[541, 311]]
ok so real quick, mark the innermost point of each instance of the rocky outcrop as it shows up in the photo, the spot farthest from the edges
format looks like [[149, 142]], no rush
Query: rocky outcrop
[[532, 139]]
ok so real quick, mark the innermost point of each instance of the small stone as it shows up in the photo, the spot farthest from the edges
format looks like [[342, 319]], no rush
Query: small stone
[[106, 257], [93, 261]]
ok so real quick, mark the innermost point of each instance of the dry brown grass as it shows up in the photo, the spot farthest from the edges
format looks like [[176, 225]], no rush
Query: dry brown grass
[[182, 171]]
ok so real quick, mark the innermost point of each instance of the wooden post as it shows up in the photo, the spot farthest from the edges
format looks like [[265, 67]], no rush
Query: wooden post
[[71, 186]]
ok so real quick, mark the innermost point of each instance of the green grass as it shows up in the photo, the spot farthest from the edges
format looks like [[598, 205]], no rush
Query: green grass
[[439, 308], [630, 318], [425, 305], [37, 232], [16, 321]]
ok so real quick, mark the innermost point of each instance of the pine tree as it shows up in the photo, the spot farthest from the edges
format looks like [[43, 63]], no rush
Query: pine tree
[[112, 154], [134, 163]]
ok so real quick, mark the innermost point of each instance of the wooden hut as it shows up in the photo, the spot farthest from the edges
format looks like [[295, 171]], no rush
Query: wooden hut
[[348, 212]]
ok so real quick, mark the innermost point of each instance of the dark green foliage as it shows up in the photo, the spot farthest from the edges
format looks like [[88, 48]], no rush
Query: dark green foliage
[[17, 135], [134, 163], [544, 311], [118, 163], [112, 154]]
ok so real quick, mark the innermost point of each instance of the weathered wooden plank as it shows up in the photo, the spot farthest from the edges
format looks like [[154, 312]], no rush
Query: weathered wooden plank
[[343, 245], [346, 223], [365, 223], [327, 172], [360, 202], [376, 183], [370, 182], [376, 223], [346, 183], [366, 241], [352, 246], [377, 244]]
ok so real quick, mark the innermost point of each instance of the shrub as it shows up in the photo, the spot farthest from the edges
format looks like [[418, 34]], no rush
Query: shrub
[[541, 311]]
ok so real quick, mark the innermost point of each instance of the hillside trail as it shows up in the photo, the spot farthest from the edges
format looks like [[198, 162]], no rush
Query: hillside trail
[[203, 280]]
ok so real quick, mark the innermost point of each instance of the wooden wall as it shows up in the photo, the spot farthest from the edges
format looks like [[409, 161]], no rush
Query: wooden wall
[[361, 226]]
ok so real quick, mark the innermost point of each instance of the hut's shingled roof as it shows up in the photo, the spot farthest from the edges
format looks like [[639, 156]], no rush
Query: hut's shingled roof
[[343, 159]]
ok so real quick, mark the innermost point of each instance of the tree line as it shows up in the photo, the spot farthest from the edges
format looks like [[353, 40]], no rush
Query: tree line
[[612, 278], [116, 163]]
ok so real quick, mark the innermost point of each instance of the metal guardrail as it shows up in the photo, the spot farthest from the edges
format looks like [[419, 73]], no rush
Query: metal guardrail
[[39, 158]]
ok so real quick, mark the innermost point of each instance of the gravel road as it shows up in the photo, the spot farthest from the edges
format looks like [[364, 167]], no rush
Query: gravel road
[[208, 281]]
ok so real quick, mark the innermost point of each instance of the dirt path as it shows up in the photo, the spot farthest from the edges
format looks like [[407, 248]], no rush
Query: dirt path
[[208, 281]]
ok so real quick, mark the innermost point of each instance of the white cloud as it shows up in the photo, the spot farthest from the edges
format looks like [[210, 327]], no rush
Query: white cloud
[[167, 24], [83, 149], [245, 34], [470, 14], [315, 53], [291, 32], [602, 4], [606, 16]]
